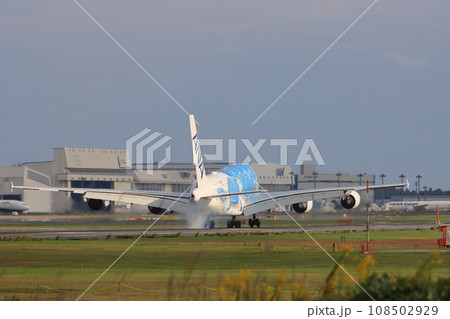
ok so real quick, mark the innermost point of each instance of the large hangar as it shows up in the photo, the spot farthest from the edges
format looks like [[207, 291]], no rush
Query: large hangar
[[26, 175], [71, 167]]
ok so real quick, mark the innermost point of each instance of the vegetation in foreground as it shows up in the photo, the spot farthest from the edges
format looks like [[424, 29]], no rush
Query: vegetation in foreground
[[339, 286], [235, 267]]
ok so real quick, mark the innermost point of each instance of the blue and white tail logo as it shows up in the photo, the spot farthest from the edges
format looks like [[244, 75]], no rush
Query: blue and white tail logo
[[197, 153]]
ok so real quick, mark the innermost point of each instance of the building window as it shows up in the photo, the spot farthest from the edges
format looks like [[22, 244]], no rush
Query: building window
[[149, 187], [185, 174], [84, 183], [280, 171], [11, 197], [179, 188], [38, 177]]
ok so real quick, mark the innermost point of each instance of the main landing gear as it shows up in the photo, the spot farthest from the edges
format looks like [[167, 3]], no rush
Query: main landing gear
[[254, 222], [233, 223]]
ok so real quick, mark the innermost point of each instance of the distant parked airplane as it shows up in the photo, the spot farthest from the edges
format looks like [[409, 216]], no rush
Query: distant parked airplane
[[233, 191], [418, 206], [13, 206]]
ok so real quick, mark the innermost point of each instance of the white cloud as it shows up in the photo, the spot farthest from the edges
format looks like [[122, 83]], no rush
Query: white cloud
[[405, 62]]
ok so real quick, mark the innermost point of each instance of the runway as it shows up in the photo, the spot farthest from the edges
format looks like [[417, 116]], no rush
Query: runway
[[117, 232]]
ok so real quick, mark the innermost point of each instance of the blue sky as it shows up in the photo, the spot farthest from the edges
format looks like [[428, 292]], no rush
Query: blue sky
[[377, 102]]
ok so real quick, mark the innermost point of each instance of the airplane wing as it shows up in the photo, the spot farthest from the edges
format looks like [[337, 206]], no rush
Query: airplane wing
[[260, 202], [257, 201], [172, 201]]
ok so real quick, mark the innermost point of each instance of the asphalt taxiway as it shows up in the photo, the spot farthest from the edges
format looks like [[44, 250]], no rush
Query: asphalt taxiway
[[117, 232]]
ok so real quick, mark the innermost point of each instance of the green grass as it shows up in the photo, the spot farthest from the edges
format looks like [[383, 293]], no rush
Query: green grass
[[166, 268]]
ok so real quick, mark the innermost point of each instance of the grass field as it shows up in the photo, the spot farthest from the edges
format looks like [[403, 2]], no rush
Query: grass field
[[204, 267]]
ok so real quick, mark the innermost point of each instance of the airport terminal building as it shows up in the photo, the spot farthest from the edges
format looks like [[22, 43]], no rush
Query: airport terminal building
[[110, 169]]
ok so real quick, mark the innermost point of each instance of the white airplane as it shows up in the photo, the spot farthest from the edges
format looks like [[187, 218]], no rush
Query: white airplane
[[233, 191], [14, 207], [418, 206]]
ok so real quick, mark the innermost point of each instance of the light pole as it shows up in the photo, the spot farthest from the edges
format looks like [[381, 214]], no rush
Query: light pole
[[401, 178], [339, 179], [425, 188], [418, 186], [360, 178], [315, 176]]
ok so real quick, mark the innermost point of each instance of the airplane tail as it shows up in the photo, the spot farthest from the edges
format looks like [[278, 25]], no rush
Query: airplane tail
[[197, 153]]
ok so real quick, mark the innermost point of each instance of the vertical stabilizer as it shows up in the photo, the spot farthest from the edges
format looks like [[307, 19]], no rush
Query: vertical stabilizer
[[197, 153]]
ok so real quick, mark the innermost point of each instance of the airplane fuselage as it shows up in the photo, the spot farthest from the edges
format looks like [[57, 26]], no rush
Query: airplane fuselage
[[232, 179], [13, 206], [418, 205]]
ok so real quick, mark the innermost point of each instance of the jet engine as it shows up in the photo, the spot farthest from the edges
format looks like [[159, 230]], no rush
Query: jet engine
[[95, 204], [302, 207], [156, 210], [350, 200]]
